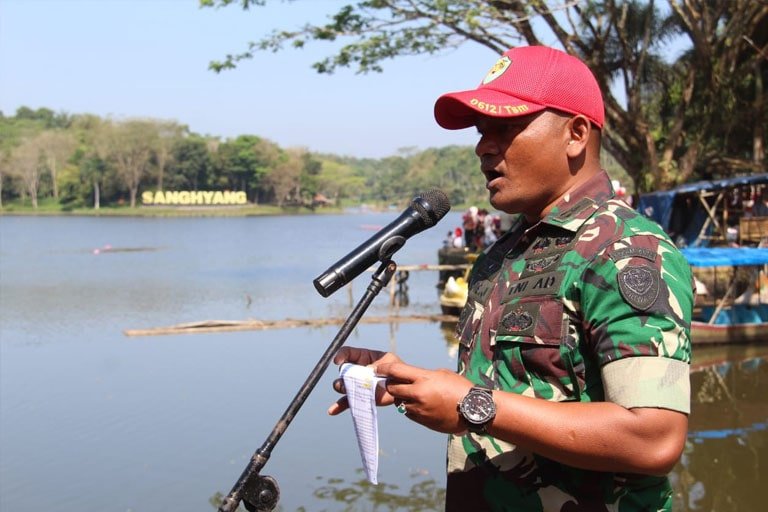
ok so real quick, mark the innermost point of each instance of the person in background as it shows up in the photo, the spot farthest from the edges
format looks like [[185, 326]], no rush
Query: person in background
[[448, 240], [572, 389], [470, 223], [458, 239], [760, 208], [489, 233], [479, 234]]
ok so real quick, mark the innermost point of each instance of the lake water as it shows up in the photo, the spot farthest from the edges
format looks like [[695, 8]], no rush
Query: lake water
[[91, 419]]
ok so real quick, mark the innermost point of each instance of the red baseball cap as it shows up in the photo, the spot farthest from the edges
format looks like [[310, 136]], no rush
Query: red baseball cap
[[523, 81]]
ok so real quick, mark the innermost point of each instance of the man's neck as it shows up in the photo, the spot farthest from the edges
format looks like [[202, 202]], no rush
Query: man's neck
[[580, 178]]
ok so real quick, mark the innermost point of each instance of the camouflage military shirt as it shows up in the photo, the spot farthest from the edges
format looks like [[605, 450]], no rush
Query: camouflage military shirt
[[593, 303]]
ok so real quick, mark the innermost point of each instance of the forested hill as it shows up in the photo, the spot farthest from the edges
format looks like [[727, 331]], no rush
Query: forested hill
[[86, 161]]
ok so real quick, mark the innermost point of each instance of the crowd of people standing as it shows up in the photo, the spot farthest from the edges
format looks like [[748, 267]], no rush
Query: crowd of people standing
[[479, 230]]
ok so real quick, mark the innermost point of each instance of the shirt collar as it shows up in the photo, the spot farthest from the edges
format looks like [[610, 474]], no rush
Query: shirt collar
[[578, 204]]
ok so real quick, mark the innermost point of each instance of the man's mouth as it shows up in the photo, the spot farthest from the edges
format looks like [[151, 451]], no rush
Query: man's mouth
[[490, 175]]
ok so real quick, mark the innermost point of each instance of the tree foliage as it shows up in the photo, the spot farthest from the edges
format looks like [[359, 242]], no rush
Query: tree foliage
[[101, 161], [26, 165], [670, 119]]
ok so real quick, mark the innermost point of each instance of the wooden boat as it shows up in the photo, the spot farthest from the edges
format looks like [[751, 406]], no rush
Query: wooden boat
[[453, 262], [454, 296], [736, 312], [721, 319], [733, 292], [454, 285], [703, 333]]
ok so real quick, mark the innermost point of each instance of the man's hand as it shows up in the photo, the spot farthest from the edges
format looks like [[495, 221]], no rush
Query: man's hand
[[430, 397], [363, 357]]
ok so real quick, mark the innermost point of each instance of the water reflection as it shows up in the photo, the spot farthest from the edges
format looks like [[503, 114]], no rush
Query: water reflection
[[721, 467], [425, 495], [178, 417]]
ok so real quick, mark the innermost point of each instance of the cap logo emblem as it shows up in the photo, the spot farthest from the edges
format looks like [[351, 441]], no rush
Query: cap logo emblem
[[497, 70]]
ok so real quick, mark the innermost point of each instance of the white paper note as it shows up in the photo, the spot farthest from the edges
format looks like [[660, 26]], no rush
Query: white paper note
[[360, 383]]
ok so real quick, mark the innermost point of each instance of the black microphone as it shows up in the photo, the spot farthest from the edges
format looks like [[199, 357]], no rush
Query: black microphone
[[424, 212]]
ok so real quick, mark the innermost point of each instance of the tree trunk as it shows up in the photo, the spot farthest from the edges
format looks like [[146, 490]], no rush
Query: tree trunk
[[96, 195], [758, 134], [52, 169], [33, 196]]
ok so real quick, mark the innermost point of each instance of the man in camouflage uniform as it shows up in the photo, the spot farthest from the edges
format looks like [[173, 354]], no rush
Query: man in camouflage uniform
[[575, 335]]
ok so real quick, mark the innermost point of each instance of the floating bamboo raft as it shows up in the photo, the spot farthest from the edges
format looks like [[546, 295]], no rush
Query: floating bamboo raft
[[208, 326]]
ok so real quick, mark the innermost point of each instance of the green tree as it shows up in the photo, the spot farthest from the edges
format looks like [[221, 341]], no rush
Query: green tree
[[282, 183], [190, 166], [46, 117], [456, 173], [95, 138], [242, 163], [26, 165], [724, 75], [662, 118], [311, 168], [338, 180], [92, 174], [168, 133], [57, 147], [129, 146]]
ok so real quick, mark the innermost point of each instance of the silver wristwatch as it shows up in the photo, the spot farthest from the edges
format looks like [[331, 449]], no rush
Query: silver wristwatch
[[478, 409]]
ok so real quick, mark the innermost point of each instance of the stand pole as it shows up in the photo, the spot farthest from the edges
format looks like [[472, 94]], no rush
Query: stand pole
[[261, 493]]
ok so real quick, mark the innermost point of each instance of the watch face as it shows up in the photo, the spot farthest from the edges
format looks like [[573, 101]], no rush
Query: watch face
[[478, 407]]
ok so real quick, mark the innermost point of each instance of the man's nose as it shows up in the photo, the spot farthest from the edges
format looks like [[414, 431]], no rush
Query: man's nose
[[486, 146]]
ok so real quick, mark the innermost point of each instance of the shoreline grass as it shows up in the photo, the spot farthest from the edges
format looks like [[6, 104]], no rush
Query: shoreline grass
[[250, 210], [51, 207]]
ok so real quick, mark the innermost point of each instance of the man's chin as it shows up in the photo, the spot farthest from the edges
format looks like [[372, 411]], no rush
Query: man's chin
[[498, 203], [505, 206]]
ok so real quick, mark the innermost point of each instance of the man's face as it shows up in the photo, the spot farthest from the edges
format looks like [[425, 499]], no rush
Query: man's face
[[524, 161]]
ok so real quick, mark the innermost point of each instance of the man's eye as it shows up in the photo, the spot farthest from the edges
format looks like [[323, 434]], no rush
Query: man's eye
[[501, 129], [512, 127]]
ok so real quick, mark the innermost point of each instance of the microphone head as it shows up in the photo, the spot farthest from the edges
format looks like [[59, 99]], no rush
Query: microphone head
[[432, 206]]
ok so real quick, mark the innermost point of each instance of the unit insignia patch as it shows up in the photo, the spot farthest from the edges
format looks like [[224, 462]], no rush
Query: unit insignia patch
[[539, 264], [517, 320], [639, 285]]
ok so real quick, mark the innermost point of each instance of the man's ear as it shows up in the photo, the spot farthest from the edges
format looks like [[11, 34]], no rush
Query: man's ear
[[579, 129]]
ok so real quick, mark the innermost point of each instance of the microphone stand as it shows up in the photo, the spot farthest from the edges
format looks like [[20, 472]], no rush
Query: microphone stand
[[261, 493]]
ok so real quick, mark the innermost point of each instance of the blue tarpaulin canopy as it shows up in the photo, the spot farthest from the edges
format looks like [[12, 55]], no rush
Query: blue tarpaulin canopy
[[679, 212], [658, 205], [725, 256]]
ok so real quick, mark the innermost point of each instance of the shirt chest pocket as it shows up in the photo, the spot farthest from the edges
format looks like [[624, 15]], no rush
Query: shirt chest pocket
[[469, 324], [531, 350]]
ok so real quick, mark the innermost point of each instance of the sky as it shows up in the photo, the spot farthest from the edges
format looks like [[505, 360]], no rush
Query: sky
[[149, 59]]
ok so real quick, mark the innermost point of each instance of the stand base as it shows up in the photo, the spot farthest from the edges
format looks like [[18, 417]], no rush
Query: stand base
[[261, 494]]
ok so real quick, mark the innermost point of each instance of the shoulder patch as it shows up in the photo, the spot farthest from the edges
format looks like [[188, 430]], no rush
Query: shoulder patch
[[631, 252], [639, 285]]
